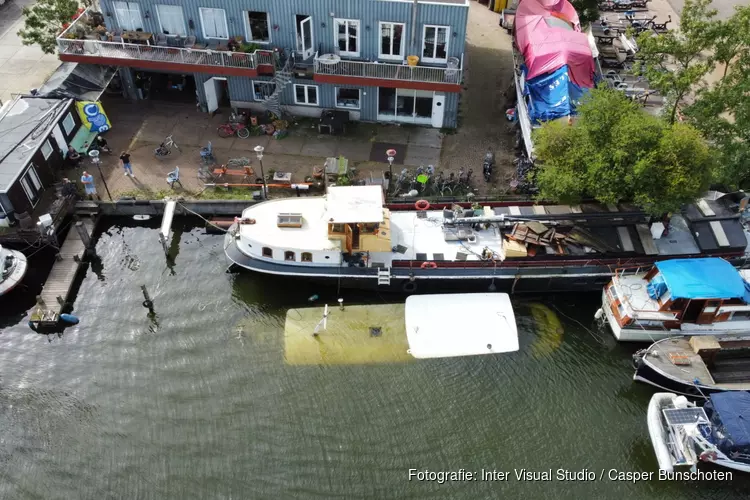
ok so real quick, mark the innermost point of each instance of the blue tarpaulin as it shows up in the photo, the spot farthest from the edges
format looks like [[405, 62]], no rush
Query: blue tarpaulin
[[709, 278], [734, 412], [552, 95]]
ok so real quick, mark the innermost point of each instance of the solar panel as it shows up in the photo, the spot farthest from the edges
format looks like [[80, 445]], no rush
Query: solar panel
[[684, 416]]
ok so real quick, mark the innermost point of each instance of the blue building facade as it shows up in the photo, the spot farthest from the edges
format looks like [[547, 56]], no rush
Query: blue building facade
[[381, 60]]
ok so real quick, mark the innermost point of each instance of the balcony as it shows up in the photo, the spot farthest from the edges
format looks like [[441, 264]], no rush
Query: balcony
[[80, 43], [332, 69]]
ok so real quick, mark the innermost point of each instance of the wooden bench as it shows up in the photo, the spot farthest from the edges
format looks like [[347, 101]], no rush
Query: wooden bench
[[247, 173]]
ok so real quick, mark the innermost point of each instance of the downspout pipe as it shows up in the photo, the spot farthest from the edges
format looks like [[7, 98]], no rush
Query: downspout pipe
[[414, 26]]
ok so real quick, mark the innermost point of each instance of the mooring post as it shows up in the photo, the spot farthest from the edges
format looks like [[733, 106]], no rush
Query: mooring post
[[341, 304], [84, 234], [147, 302]]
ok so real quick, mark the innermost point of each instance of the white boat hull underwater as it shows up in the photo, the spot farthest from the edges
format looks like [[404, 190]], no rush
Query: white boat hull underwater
[[634, 316], [350, 238], [13, 267]]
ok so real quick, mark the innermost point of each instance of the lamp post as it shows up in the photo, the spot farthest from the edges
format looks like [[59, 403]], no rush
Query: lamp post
[[259, 153], [391, 153], [94, 154]]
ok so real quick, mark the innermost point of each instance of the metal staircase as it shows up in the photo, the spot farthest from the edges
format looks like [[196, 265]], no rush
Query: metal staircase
[[281, 79], [384, 276]]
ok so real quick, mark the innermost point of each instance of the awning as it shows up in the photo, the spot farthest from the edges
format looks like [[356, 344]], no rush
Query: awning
[[83, 82]]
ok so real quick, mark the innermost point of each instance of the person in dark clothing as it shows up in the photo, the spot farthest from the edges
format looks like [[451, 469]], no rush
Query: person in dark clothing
[[125, 159], [73, 156], [69, 190], [101, 144]]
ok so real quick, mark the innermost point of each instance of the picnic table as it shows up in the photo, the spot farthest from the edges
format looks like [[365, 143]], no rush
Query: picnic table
[[246, 173]]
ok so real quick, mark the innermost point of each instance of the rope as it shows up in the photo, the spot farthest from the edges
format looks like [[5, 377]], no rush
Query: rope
[[201, 217], [590, 332]]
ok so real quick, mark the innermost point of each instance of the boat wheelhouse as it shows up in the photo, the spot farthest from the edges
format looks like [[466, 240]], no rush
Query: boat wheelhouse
[[351, 237], [706, 296]]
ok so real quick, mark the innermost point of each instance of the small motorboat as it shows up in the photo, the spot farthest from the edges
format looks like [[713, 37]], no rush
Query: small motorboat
[[13, 267], [726, 440], [671, 422]]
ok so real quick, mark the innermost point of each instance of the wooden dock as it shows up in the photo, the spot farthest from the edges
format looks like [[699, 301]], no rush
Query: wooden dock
[[57, 289]]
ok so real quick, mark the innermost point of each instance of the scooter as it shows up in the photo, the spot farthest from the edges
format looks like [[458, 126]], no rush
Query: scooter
[[489, 163]]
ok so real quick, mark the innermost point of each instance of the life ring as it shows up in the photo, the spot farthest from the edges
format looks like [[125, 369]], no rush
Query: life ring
[[428, 265], [708, 456], [409, 286], [422, 205]]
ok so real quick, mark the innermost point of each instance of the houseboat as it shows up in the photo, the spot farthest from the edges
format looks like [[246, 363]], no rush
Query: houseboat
[[13, 268], [696, 366], [350, 237], [706, 296]]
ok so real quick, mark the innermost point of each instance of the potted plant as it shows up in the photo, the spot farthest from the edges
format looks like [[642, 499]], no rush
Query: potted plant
[[102, 32]]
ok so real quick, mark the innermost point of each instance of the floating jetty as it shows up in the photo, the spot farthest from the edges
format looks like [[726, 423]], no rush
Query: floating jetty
[[48, 313]]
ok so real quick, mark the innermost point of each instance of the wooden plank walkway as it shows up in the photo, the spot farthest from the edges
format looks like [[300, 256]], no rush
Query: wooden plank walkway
[[64, 270]]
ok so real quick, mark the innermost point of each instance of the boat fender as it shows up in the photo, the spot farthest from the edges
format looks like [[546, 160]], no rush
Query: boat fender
[[69, 319], [428, 265], [33, 327], [239, 220], [599, 313], [409, 286], [422, 205], [708, 456]]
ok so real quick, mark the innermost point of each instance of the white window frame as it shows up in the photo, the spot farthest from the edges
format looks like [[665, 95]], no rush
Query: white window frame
[[347, 22], [48, 152], [203, 24], [183, 30], [307, 95], [336, 98], [380, 41], [249, 34], [260, 82], [33, 181], [434, 51], [65, 122], [131, 7]]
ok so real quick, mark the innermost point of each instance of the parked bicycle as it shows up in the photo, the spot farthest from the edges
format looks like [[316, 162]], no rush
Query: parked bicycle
[[165, 148], [237, 125]]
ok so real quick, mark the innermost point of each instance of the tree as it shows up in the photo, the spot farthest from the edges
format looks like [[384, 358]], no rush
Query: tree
[[617, 152], [674, 62], [588, 10], [732, 38], [44, 20]]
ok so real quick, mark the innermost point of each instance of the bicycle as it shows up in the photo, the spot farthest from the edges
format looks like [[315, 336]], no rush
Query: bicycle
[[165, 148], [230, 129]]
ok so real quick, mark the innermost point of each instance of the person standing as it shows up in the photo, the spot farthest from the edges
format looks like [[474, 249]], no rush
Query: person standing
[[125, 158], [88, 184]]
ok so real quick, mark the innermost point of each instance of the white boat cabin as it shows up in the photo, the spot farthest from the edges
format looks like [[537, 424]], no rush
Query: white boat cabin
[[692, 295]]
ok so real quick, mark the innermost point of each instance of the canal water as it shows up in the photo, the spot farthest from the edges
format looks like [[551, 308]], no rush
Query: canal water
[[197, 402]]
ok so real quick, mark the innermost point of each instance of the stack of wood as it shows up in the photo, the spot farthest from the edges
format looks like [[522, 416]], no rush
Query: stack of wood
[[527, 237]]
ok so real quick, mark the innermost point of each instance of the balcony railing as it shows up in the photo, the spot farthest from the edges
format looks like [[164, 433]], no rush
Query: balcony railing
[[91, 46], [385, 71]]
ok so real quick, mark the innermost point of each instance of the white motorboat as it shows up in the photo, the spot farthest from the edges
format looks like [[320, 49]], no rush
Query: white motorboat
[[13, 268], [670, 422], [705, 296]]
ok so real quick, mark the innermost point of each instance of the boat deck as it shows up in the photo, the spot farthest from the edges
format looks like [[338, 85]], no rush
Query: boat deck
[[659, 356], [633, 289]]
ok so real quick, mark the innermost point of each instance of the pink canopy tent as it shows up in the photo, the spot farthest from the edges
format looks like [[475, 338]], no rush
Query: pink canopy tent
[[548, 34]]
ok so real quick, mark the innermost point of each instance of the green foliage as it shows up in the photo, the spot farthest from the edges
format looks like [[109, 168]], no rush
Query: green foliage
[[673, 62], [617, 152], [44, 21], [588, 10], [722, 111]]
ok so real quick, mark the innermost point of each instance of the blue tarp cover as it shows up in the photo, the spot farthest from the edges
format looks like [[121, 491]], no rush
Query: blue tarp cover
[[734, 411], [553, 95], [657, 287], [710, 278]]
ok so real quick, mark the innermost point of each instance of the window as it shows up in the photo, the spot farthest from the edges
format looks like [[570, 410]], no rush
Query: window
[[435, 44], [214, 22], [736, 316], [46, 149], [347, 98], [392, 41], [347, 36], [289, 256], [263, 90], [171, 20], [306, 257], [289, 220], [257, 27], [128, 15], [306, 94], [337, 228], [69, 124], [267, 252]]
